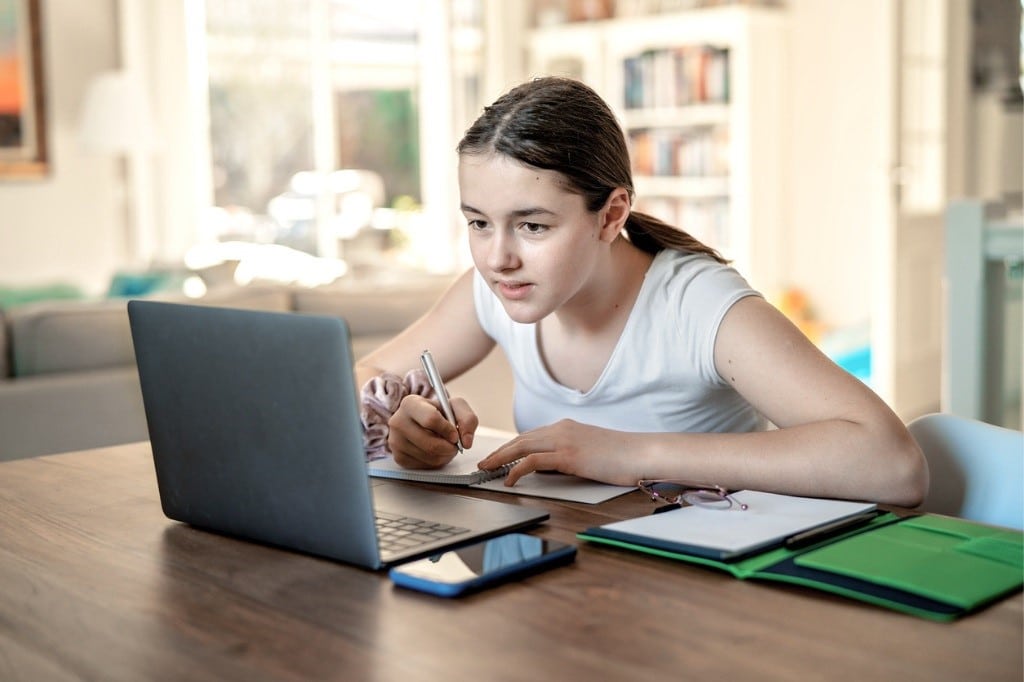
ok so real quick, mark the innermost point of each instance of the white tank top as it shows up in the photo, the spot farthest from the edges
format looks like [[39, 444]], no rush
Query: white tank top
[[661, 375]]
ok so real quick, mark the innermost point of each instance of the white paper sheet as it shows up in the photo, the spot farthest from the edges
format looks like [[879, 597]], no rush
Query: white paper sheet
[[769, 519], [462, 470], [559, 487]]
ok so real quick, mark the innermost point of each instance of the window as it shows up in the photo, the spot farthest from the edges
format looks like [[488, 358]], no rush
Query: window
[[317, 109]]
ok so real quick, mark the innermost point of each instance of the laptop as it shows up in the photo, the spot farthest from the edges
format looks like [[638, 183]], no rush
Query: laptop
[[253, 420]]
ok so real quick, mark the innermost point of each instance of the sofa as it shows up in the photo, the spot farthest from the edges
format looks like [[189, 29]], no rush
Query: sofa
[[67, 368]]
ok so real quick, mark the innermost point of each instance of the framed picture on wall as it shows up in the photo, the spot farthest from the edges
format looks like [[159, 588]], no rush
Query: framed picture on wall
[[23, 149]]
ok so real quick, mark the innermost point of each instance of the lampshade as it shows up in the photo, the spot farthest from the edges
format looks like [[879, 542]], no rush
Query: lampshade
[[115, 117]]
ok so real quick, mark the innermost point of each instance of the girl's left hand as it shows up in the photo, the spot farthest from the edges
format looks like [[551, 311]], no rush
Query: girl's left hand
[[571, 448]]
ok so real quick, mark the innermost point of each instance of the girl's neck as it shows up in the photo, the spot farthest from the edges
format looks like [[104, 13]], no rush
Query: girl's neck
[[608, 300]]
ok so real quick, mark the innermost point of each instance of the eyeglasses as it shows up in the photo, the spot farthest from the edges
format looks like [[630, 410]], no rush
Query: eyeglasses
[[698, 494]]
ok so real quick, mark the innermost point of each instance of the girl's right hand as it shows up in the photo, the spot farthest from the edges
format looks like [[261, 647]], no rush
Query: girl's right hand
[[420, 437]]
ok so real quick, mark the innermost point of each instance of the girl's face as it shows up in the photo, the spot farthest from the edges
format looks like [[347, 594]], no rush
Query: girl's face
[[531, 238]]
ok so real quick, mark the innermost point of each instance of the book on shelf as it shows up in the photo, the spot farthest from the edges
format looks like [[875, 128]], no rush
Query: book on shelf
[[676, 77], [688, 152]]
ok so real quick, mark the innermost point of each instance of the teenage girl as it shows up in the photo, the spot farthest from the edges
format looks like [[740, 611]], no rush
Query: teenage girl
[[638, 352]]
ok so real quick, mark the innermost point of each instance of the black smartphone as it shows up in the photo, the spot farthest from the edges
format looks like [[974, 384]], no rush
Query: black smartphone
[[489, 562]]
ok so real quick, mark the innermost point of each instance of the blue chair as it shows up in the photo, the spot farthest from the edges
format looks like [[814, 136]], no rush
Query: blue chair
[[977, 469]]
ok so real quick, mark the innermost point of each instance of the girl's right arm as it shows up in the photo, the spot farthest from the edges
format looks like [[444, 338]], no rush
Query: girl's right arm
[[419, 435]]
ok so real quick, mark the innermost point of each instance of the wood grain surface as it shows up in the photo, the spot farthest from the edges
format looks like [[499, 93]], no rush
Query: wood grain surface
[[96, 584]]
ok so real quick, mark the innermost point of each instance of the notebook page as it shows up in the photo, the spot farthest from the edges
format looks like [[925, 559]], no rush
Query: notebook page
[[462, 470], [769, 519], [557, 486]]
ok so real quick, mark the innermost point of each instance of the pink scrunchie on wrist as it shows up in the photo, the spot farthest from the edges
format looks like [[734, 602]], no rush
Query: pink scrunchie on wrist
[[379, 399]]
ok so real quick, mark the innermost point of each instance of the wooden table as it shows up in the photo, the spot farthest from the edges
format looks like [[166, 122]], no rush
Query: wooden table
[[95, 583]]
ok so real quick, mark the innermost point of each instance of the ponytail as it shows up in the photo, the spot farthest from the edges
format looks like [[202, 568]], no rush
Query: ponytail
[[649, 234]]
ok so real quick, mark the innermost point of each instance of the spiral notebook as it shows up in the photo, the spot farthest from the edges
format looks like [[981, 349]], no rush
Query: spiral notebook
[[462, 470]]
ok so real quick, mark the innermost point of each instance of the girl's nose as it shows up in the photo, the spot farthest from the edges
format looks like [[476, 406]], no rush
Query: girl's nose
[[501, 253]]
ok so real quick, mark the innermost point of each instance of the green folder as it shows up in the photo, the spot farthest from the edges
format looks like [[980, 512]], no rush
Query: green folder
[[935, 567]]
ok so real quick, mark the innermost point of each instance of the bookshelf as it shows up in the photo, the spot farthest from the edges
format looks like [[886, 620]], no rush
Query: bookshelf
[[699, 96]]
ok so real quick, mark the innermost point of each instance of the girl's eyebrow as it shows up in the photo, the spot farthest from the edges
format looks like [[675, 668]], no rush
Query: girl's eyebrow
[[518, 213]]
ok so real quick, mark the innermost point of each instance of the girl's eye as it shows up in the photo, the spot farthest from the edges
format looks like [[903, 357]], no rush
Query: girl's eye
[[477, 224], [534, 228]]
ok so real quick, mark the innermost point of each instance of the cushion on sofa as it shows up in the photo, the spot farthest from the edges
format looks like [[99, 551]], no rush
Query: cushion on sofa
[[52, 413], [268, 297], [5, 362], [48, 338], [376, 312], [62, 337]]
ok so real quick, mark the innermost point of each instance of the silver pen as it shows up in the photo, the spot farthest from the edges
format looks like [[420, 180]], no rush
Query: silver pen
[[434, 377]]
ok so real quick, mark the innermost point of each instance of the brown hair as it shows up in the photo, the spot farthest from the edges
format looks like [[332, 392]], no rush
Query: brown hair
[[562, 125]]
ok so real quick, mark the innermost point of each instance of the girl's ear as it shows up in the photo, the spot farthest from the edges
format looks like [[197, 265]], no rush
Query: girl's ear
[[614, 214]]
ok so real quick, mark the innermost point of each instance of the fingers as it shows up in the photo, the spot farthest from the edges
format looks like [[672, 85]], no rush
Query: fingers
[[411, 455], [567, 447], [467, 421], [496, 458], [530, 453], [419, 436], [520, 446], [539, 461]]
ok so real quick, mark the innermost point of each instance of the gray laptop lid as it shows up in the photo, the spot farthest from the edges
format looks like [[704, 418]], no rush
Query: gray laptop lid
[[254, 425]]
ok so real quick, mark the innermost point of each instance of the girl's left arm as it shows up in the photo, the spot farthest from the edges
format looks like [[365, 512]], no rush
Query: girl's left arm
[[835, 437]]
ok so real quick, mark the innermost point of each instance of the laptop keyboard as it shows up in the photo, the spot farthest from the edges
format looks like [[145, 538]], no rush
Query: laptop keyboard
[[395, 532]]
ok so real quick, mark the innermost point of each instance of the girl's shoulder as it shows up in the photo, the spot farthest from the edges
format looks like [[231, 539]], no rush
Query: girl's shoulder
[[679, 271]]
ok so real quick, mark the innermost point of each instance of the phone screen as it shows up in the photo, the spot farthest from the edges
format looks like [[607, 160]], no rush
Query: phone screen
[[497, 555]]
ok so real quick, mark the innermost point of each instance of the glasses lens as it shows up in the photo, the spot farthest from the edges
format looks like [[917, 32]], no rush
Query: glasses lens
[[667, 490], [707, 498]]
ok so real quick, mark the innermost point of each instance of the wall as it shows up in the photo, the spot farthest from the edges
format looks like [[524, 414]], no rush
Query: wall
[[839, 152], [68, 226]]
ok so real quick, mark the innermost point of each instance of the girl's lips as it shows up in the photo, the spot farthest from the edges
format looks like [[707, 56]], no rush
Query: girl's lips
[[514, 291]]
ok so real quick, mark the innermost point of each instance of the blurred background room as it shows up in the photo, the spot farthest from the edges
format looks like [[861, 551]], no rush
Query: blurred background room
[[836, 150]]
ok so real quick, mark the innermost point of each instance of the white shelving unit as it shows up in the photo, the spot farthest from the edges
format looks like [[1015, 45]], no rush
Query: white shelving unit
[[982, 356], [573, 50], [717, 159]]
